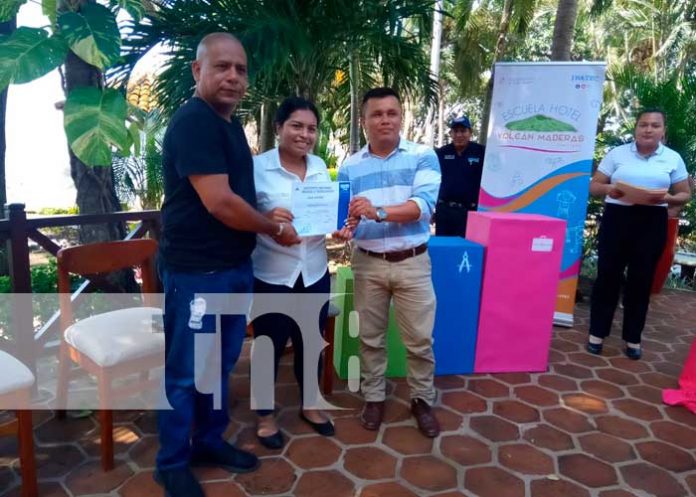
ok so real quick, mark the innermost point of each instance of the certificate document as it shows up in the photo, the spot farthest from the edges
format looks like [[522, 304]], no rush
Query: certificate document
[[642, 196], [319, 207]]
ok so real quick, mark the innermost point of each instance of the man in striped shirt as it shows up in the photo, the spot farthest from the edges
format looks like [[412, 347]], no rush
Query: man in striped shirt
[[395, 184]]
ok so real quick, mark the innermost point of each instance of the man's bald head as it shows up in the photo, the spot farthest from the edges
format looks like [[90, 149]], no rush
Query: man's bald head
[[211, 39]]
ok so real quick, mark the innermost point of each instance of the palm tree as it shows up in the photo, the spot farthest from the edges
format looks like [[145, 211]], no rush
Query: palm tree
[[297, 46], [563, 29]]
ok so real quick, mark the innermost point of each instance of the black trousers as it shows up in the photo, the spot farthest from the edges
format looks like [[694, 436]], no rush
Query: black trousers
[[450, 220], [631, 240], [281, 328]]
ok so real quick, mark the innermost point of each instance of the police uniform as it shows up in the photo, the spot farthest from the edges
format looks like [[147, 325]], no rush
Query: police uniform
[[459, 190]]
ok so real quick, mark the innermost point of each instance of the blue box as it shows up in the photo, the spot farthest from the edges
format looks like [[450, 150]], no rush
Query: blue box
[[457, 272]]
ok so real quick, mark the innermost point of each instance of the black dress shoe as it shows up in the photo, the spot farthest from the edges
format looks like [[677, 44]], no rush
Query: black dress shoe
[[178, 482], [274, 441], [226, 457], [594, 348], [632, 353], [326, 428]]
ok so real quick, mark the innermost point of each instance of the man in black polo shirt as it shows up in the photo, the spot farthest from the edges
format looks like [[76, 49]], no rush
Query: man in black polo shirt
[[461, 163], [209, 231]]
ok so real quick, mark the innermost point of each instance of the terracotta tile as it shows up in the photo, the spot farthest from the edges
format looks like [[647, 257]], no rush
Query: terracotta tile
[[626, 364], [568, 420], [465, 450], [548, 437], [45, 490], [388, 489], [494, 428], [464, 402], [313, 452], [91, 479], [637, 409], [290, 421], [601, 389], [141, 485], [350, 432], [449, 494], [369, 463], [616, 493], [513, 378], [144, 452], [275, 476], [407, 440], [677, 434], [649, 394], [653, 480], [691, 481], [323, 484], [558, 383], [621, 427], [659, 380], [680, 414], [666, 456], [396, 411], [247, 440], [617, 377], [488, 388], [589, 360], [536, 396], [587, 470], [7, 478], [450, 382], [585, 403], [557, 488], [449, 421], [66, 430], [223, 489], [428, 473], [668, 368], [493, 482], [564, 346], [210, 473], [607, 448], [573, 371], [54, 462], [525, 459], [515, 411]]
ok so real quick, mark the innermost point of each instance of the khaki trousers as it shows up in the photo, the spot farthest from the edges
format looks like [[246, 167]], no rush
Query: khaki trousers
[[409, 284]]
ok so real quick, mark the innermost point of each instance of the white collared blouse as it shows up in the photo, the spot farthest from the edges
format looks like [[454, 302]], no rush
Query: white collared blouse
[[274, 263]]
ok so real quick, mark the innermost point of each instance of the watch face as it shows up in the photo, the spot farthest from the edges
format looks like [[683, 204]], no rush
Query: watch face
[[381, 214]]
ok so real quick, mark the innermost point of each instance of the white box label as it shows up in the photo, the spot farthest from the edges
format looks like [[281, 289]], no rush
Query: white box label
[[542, 244]]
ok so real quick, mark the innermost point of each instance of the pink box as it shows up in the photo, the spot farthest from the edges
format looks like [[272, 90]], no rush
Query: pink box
[[522, 265]]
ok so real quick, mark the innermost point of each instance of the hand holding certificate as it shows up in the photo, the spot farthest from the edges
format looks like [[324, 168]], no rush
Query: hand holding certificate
[[319, 207], [641, 196]]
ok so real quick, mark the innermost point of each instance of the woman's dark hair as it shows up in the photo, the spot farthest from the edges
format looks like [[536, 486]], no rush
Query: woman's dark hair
[[292, 104], [652, 110]]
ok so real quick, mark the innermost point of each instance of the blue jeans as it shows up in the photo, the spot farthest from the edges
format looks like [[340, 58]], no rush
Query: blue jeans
[[193, 424]]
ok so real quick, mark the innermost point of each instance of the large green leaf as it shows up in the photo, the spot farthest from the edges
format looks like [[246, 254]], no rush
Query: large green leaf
[[29, 53], [135, 8], [94, 122], [50, 10], [92, 33], [9, 9]]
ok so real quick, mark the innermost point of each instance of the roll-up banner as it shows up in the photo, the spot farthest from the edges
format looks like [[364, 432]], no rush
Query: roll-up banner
[[541, 140]]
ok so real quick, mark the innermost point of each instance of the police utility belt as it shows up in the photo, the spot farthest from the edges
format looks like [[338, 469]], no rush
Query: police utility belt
[[457, 205], [398, 255]]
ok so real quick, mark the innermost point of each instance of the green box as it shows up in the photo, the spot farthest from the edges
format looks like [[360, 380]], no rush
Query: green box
[[346, 347]]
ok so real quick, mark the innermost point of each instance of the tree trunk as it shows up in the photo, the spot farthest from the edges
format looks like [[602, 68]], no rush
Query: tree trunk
[[563, 29], [266, 127], [354, 75], [434, 70], [6, 28], [500, 47]]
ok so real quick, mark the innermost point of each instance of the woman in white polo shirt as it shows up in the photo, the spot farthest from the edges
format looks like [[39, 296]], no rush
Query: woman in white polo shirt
[[632, 237], [301, 268]]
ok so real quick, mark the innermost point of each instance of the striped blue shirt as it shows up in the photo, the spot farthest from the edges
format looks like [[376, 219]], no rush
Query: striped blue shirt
[[410, 172]]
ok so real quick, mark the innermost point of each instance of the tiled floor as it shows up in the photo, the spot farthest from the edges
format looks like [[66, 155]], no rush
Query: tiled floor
[[590, 426]]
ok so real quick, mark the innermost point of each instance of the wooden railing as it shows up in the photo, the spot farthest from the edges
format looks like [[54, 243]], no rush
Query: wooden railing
[[17, 229]]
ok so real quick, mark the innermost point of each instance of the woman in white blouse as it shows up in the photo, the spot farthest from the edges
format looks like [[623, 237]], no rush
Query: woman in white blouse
[[632, 237], [301, 268]]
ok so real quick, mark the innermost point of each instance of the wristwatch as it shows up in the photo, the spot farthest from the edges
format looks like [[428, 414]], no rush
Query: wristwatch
[[381, 214]]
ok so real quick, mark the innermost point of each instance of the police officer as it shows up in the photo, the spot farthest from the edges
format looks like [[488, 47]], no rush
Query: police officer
[[461, 163]]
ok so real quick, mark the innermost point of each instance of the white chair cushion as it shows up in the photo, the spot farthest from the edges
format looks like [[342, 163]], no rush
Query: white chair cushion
[[15, 375], [114, 337]]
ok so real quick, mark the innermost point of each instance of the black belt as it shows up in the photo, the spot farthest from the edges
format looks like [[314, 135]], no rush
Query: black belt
[[458, 205], [399, 255]]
